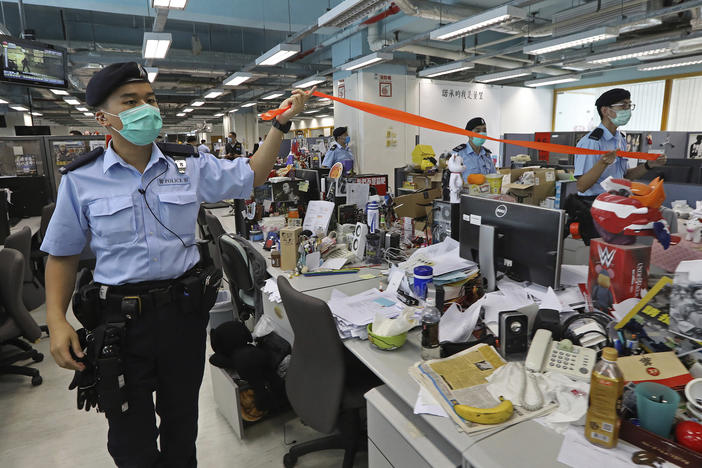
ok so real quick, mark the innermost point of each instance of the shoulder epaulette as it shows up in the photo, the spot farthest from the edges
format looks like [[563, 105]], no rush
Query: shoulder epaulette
[[334, 146], [82, 160], [596, 134], [176, 151], [460, 147], [487, 151], [623, 134]]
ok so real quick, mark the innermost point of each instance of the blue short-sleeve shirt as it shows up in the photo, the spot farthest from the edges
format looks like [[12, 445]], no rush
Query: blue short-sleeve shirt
[[336, 153], [102, 202], [606, 142], [480, 163]]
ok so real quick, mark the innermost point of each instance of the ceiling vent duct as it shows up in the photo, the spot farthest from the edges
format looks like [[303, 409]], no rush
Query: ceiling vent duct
[[587, 16], [350, 11]]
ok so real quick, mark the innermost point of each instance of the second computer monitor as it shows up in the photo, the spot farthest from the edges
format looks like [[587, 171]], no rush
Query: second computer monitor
[[524, 241]]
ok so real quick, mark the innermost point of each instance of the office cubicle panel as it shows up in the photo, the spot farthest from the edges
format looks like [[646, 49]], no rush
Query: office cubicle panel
[[673, 144], [24, 170], [61, 150], [512, 150], [680, 191], [685, 171]]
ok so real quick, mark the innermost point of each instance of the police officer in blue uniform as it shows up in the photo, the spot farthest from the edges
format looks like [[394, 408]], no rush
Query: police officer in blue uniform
[[136, 203], [338, 151], [476, 158], [614, 107]]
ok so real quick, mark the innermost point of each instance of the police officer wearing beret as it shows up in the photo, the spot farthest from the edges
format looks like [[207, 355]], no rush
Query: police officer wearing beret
[[136, 203], [339, 151], [614, 107], [476, 158]]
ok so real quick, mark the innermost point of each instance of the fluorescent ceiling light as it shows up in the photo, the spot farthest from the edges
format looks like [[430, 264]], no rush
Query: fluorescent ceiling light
[[60, 92], [88, 114], [172, 4], [632, 52], [181, 114], [248, 104], [72, 101], [188, 109], [197, 103], [156, 45], [309, 81], [663, 64], [477, 23], [643, 24], [237, 78], [311, 111], [572, 40], [323, 115], [551, 80], [2, 101], [348, 12], [370, 59], [277, 54], [272, 95], [152, 72], [502, 76], [453, 67], [82, 109], [221, 114], [233, 110], [37, 114], [214, 93], [18, 108]]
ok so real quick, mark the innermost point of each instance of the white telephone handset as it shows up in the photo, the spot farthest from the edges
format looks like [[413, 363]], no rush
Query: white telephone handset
[[546, 355]]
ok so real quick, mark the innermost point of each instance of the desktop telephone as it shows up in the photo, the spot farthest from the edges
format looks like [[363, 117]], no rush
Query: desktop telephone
[[546, 355]]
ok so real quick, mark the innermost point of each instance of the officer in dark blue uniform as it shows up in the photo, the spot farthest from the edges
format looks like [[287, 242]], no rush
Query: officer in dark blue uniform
[[146, 310]]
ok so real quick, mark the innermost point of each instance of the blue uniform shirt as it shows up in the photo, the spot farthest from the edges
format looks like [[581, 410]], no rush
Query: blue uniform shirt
[[101, 202], [336, 153], [606, 142], [475, 163]]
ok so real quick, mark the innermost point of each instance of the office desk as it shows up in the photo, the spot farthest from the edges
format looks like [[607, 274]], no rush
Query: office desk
[[33, 222]]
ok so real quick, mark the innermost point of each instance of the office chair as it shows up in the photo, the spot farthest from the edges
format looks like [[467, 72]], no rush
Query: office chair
[[325, 383], [15, 321], [33, 293], [214, 226], [236, 266], [38, 258]]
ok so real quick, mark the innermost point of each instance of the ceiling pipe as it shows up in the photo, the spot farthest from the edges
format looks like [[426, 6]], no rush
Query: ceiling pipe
[[435, 10], [392, 10]]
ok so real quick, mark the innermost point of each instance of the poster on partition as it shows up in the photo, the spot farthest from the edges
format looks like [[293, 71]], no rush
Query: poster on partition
[[65, 151]]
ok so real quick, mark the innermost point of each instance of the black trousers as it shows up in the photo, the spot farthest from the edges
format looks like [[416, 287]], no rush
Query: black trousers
[[164, 352]]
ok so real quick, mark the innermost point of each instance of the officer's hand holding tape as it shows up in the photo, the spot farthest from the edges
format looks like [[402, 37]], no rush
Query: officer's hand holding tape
[[297, 102]]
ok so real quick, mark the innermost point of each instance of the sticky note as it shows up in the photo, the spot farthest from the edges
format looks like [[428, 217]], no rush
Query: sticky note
[[367, 276], [384, 302]]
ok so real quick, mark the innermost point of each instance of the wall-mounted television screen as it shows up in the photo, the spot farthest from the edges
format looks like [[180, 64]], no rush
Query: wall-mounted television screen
[[32, 63]]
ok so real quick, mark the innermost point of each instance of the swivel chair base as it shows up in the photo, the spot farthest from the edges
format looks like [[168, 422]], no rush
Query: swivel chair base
[[7, 367]]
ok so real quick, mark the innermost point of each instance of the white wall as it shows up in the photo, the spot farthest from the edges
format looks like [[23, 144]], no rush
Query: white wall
[[685, 105]]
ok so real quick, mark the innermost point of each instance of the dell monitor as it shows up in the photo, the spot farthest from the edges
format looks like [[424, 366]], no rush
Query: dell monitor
[[523, 241], [32, 63], [312, 177]]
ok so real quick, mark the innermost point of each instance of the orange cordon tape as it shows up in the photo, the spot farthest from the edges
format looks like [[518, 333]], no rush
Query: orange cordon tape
[[415, 120]]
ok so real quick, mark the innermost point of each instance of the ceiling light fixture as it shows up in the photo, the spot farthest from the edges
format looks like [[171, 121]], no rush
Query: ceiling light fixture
[[156, 45], [277, 54], [477, 23], [213, 93], [82, 109], [309, 81], [273, 95], [181, 114], [632, 52], [237, 78], [367, 60], [453, 67], [220, 114], [2, 101], [572, 40], [18, 108], [188, 109], [502, 76], [88, 114], [60, 92], [170, 4], [348, 12], [37, 114], [72, 101], [311, 111], [248, 104], [197, 103], [674, 63], [233, 110], [551, 80], [152, 72]]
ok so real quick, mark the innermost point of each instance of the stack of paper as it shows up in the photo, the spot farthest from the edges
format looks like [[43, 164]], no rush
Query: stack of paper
[[354, 313], [443, 257]]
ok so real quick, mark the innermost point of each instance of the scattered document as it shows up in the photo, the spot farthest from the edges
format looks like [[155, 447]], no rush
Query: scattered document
[[426, 404], [443, 257], [312, 260], [318, 215], [456, 326], [271, 289], [573, 275], [577, 452], [334, 263], [357, 194]]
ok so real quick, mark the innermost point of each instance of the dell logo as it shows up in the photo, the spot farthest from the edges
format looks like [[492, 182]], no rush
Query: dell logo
[[500, 211]]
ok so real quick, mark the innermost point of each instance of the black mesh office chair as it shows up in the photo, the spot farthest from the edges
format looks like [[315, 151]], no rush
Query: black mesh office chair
[[240, 276], [33, 293], [325, 383], [15, 321], [38, 258], [216, 230]]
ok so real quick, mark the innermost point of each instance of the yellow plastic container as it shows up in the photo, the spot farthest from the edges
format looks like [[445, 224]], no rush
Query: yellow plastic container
[[386, 343], [495, 182]]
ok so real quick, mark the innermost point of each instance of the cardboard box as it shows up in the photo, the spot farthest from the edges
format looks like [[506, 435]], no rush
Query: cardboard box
[[532, 194], [617, 272], [289, 240], [416, 205]]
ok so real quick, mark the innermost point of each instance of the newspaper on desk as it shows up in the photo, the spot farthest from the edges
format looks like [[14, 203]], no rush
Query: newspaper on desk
[[462, 378], [443, 257]]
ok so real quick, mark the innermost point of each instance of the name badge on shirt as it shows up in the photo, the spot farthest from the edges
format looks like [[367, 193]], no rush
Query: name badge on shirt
[[184, 180]]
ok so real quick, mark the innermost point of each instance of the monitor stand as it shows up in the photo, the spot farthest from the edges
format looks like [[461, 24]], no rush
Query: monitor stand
[[486, 255]]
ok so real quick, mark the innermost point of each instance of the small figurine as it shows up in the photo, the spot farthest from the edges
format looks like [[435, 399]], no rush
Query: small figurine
[[456, 166], [694, 230]]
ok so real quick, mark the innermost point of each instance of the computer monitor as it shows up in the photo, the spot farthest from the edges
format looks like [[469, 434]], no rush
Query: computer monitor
[[312, 176], [524, 241]]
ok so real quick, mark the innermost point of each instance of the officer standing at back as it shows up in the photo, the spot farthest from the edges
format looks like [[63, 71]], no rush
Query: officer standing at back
[[339, 150], [614, 107], [147, 308], [476, 158]]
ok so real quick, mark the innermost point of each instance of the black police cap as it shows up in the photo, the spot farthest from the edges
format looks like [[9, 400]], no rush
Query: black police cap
[[612, 96], [474, 122], [338, 131], [104, 82]]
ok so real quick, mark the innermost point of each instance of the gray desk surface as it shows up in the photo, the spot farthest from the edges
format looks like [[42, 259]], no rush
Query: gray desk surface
[[34, 223]]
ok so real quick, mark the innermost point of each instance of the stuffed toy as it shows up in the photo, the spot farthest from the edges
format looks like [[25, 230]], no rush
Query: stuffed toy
[[601, 294], [694, 230], [456, 166]]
